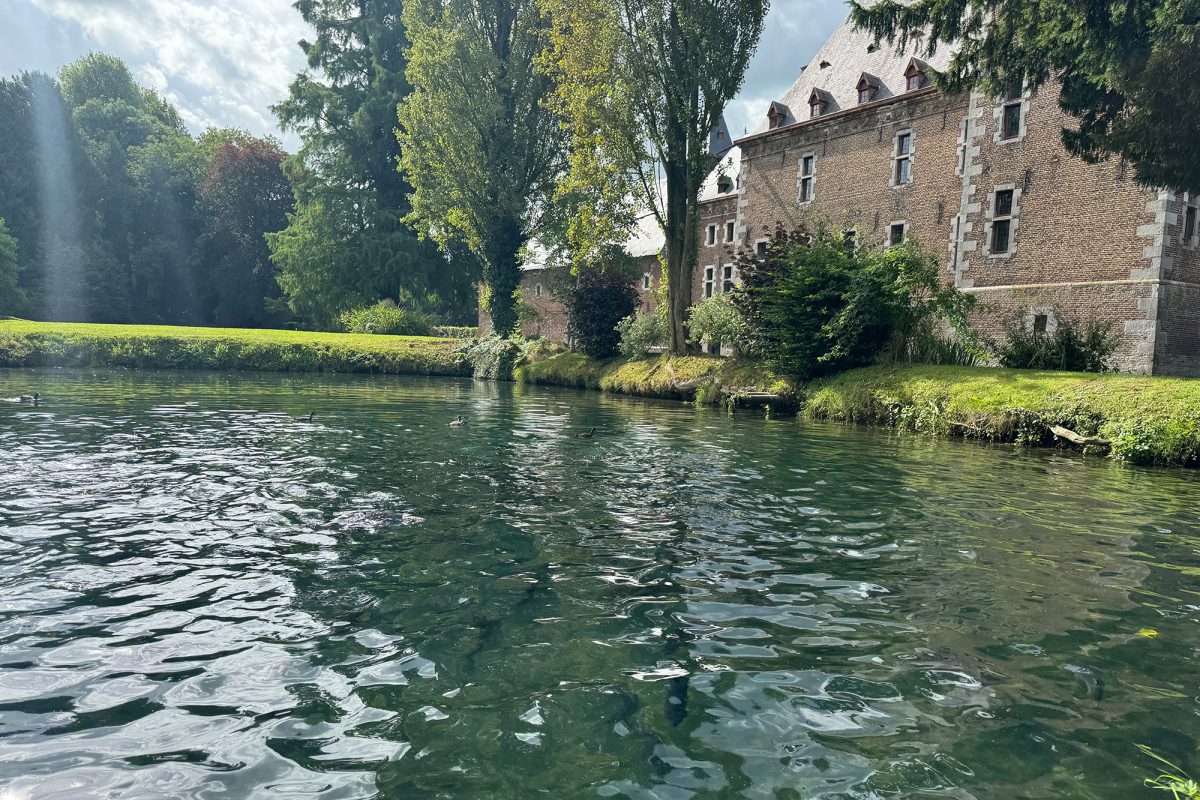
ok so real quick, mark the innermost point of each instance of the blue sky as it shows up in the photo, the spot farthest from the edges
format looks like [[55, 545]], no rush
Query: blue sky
[[224, 62]]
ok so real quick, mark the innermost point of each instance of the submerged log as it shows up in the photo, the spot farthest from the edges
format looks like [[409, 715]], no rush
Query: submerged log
[[1075, 438]]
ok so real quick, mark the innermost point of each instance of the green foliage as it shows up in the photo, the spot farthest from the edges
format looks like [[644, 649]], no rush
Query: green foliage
[[37, 344], [813, 308], [642, 84], [1174, 780], [12, 298], [718, 321], [495, 357], [346, 244], [1071, 346], [478, 142], [385, 317], [456, 331], [595, 306], [1126, 68], [642, 332]]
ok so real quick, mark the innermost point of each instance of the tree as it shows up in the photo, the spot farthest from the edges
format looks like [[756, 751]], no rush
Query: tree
[[350, 199], [12, 299], [1127, 68], [642, 83], [244, 195], [478, 143]]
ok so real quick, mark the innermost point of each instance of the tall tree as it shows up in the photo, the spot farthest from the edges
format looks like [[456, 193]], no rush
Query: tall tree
[[350, 198], [244, 196], [1128, 68], [642, 84], [479, 145]]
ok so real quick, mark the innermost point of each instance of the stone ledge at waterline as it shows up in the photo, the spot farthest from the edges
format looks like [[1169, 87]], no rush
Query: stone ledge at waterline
[[51, 344], [1132, 418]]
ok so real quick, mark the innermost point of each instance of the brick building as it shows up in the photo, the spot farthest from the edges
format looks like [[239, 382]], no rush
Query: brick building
[[864, 141]]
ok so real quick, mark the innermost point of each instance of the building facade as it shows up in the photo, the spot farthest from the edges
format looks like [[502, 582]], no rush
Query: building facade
[[865, 142]]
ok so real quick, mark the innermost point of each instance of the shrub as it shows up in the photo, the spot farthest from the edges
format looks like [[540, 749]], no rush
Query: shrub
[[385, 317], [455, 331], [599, 300], [812, 307], [642, 332], [493, 357], [717, 321], [1071, 347]]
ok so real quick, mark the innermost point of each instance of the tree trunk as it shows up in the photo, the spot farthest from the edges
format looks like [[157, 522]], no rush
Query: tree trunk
[[502, 274], [679, 231]]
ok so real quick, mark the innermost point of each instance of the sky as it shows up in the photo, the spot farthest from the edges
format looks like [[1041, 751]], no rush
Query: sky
[[225, 62]]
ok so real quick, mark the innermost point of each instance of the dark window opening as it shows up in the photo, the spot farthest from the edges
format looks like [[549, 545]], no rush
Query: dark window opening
[[727, 279], [1000, 232], [903, 173], [806, 178], [537, 290], [864, 96], [914, 82], [850, 241], [1189, 225], [760, 249], [1004, 200], [645, 281], [712, 234], [896, 234], [729, 231], [1040, 321], [708, 282], [1010, 123]]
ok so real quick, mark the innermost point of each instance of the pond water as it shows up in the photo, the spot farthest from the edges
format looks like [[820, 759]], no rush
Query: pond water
[[203, 595]]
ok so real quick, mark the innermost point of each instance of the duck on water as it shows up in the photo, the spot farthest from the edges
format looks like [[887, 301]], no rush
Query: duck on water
[[26, 399]]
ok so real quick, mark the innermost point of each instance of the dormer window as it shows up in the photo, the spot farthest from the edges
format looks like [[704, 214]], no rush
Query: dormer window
[[818, 103], [724, 184], [825, 65], [777, 115], [868, 88], [914, 75]]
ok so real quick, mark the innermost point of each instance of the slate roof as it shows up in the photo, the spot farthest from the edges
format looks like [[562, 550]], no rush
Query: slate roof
[[849, 53]]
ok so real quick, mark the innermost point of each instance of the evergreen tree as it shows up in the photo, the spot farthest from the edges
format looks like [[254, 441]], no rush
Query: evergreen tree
[[12, 299], [346, 244], [1128, 68], [479, 145]]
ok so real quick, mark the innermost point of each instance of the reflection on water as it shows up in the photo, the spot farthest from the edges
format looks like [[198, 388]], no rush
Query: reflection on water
[[203, 594]]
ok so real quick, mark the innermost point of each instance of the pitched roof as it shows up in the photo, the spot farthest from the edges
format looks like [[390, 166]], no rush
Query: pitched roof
[[846, 55]]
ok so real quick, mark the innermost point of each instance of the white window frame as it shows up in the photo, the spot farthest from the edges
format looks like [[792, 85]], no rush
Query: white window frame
[[903, 232], [646, 278], [898, 157], [1011, 216], [850, 237], [757, 242], [710, 275], [710, 236], [727, 278], [811, 177], [730, 230]]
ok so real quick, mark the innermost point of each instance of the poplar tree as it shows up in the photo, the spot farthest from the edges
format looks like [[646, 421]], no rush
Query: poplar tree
[[479, 145], [1128, 68], [642, 84]]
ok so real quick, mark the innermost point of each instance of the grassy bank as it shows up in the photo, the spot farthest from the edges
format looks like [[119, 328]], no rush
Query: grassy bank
[[707, 380], [1138, 419], [35, 344]]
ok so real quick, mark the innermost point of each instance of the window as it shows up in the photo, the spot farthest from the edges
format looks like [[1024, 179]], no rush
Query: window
[[537, 290], [1002, 221], [850, 241], [645, 281], [760, 248], [727, 278], [724, 184], [964, 133], [806, 178], [864, 96], [896, 234], [1189, 225], [1010, 121], [711, 238], [903, 171], [1040, 322], [729, 231], [816, 108], [708, 281], [914, 82]]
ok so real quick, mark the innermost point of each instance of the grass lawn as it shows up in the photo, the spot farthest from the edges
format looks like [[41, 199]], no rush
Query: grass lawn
[[31, 344], [1146, 419]]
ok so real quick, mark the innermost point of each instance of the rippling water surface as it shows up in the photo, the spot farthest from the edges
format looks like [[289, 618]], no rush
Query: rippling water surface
[[203, 596]]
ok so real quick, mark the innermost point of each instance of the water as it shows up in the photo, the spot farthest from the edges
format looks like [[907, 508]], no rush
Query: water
[[203, 596]]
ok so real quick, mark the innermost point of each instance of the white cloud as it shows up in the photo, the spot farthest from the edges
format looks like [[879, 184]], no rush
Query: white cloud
[[223, 62]]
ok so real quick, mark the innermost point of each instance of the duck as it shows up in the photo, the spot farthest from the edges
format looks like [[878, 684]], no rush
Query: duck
[[586, 434], [458, 422], [309, 418], [30, 399]]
